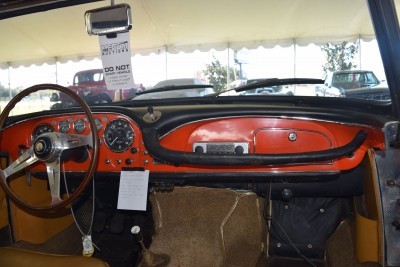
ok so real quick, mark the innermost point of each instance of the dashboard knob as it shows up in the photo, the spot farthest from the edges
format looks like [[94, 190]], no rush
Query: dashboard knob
[[135, 230], [199, 149], [286, 194], [292, 136], [239, 150]]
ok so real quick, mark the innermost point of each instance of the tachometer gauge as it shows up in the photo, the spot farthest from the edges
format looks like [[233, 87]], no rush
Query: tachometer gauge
[[64, 127], [41, 129], [118, 135], [79, 126]]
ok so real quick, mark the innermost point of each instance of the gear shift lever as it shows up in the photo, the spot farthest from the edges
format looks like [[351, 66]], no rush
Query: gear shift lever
[[149, 258]]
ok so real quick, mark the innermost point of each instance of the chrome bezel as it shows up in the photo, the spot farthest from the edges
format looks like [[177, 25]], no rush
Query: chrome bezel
[[59, 126], [84, 125], [34, 132], [106, 130]]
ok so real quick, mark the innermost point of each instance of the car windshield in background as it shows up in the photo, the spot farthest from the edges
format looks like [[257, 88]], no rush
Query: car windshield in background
[[338, 47]]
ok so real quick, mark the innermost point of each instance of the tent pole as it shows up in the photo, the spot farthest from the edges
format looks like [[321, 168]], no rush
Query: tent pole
[[359, 50], [166, 61], [294, 62], [228, 78], [9, 79], [56, 59], [294, 58]]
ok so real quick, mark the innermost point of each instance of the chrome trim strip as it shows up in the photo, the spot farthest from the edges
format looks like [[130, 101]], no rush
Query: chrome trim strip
[[130, 126]]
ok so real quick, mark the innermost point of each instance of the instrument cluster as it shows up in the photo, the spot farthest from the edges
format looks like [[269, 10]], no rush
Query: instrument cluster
[[118, 134]]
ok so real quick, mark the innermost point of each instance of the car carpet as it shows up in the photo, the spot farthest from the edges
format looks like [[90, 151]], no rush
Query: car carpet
[[340, 249], [208, 227]]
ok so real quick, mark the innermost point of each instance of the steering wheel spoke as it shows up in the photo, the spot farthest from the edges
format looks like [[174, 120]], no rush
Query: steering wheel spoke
[[25, 160], [53, 176], [76, 140]]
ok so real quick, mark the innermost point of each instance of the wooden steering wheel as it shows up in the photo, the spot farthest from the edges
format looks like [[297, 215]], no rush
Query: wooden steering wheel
[[48, 148]]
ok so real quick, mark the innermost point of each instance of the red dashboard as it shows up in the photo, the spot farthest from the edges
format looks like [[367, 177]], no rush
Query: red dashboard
[[122, 141]]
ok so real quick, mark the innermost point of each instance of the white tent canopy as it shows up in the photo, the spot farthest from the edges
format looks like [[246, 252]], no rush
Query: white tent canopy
[[185, 25]]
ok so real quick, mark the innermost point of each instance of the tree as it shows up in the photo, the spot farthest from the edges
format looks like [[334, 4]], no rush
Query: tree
[[3, 91], [339, 57], [216, 74]]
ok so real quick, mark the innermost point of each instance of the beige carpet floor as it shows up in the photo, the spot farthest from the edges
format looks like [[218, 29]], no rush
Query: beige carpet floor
[[206, 227]]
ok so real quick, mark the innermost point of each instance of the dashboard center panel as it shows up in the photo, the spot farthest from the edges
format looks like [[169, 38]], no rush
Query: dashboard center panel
[[263, 144]]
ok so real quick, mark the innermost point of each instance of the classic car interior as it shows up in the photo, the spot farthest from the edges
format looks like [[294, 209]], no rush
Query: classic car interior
[[232, 180]]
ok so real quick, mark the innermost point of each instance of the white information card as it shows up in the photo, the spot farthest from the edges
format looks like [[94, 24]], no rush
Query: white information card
[[116, 58], [133, 190]]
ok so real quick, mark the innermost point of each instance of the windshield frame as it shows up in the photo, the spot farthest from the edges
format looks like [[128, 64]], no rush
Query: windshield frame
[[386, 26], [387, 32]]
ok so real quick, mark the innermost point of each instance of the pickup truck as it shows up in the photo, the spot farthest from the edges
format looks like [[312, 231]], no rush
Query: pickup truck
[[91, 86], [338, 82]]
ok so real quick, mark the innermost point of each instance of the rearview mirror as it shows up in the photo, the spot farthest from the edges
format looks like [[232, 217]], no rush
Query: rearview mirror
[[106, 20]]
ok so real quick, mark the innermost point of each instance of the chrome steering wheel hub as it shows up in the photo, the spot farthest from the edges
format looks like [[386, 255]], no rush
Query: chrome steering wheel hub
[[43, 148]]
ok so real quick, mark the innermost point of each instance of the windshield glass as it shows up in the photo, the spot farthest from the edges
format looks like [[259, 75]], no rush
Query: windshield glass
[[180, 45]]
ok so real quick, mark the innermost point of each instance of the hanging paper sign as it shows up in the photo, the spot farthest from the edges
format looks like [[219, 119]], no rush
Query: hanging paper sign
[[116, 58], [133, 187]]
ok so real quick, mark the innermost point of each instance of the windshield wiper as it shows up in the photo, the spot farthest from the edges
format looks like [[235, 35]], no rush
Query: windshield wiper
[[175, 87], [273, 82]]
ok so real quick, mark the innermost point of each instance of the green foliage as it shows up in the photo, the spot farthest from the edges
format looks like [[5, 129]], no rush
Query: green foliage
[[216, 74], [339, 57]]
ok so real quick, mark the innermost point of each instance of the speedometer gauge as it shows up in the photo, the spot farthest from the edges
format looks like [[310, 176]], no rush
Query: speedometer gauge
[[118, 135]]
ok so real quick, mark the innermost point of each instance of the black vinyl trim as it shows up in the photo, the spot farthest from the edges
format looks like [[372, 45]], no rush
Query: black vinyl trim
[[184, 177], [226, 176], [152, 143], [387, 32], [189, 110], [16, 8]]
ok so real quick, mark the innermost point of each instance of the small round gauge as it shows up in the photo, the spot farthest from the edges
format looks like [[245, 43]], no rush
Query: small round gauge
[[79, 126], [118, 135], [64, 127], [98, 124], [41, 129]]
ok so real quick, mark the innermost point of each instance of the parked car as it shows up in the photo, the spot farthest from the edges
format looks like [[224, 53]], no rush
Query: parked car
[[272, 90], [338, 82], [177, 82], [90, 85], [208, 180], [380, 92], [175, 88]]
